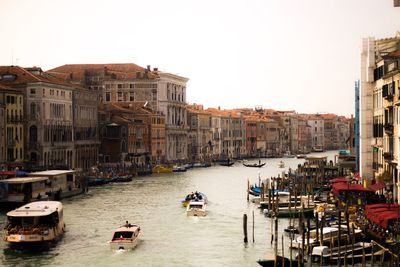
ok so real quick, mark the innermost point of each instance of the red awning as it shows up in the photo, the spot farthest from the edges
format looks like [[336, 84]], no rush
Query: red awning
[[338, 187], [382, 214], [377, 186]]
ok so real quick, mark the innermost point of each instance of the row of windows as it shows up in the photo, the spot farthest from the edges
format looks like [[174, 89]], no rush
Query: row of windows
[[10, 99], [53, 92], [131, 85]]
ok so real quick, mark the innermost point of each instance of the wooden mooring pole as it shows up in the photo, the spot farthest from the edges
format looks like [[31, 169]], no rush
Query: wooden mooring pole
[[245, 227]]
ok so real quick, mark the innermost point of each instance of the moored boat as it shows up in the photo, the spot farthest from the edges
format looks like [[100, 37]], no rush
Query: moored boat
[[61, 183], [277, 261], [177, 168], [34, 223], [196, 208], [227, 164], [161, 169], [17, 191], [121, 178], [285, 212], [125, 237], [331, 255]]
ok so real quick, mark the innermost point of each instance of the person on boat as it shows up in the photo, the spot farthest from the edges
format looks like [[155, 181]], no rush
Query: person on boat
[[127, 224]]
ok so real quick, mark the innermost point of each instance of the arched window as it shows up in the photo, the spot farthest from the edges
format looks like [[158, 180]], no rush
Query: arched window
[[33, 157], [33, 109], [33, 133]]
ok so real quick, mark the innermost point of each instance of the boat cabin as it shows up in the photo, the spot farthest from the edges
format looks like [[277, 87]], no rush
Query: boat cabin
[[37, 221], [126, 233], [61, 183], [23, 189]]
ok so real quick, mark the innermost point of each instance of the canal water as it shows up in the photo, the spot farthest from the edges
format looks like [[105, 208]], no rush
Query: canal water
[[169, 237]]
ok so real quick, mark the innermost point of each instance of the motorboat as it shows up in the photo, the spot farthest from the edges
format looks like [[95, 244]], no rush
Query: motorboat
[[196, 208], [332, 254], [281, 164], [330, 234], [269, 260], [177, 168], [35, 223], [161, 169], [287, 154], [197, 196], [300, 156], [125, 237]]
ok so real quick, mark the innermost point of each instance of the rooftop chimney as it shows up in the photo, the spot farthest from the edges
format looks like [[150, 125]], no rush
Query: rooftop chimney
[[148, 67]]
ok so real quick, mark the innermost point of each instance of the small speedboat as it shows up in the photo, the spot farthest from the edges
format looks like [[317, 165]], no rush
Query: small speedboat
[[196, 208], [177, 168], [197, 196], [125, 237]]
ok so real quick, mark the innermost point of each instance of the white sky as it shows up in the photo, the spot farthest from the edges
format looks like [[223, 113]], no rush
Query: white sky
[[281, 54]]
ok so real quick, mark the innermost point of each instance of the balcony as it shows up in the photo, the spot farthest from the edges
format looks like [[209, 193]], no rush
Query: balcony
[[387, 92], [388, 156]]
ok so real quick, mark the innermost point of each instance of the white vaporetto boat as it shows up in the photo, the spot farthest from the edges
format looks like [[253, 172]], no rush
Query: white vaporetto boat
[[125, 237], [196, 208], [36, 222]]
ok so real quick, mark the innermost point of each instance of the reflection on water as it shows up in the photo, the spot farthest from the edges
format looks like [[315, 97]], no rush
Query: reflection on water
[[169, 237]]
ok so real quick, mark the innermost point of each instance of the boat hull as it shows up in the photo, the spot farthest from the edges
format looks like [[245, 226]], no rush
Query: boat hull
[[124, 244], [196, 212]]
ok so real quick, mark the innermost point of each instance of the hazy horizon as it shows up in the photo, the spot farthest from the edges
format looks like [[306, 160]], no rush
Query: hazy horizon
[[284, 55]]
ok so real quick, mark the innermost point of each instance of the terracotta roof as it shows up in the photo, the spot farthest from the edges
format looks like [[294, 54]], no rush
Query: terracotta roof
[[394, 54], [196, 111], [132, 107], [119, 71], [28, 75]]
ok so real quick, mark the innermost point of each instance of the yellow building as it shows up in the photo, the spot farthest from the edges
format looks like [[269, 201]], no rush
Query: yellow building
[[14, 127]]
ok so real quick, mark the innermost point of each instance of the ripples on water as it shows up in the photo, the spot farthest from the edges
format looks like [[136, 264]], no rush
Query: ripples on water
[[169, 237]]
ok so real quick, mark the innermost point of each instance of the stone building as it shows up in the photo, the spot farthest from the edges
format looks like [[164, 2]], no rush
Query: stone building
[[50, 111], [126, 135], [11, 126], [200, 134], [165, 92]]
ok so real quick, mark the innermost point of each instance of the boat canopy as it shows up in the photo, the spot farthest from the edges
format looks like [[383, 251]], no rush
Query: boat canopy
[[36, 208], [24, 180], [51, 173]]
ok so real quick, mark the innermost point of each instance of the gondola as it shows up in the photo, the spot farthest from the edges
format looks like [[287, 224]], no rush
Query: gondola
[[228, 164], [254, 165]]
